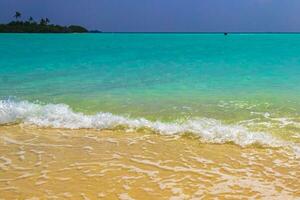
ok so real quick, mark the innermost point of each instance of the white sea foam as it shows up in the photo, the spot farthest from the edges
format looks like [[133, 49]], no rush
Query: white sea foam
[[62, 116]]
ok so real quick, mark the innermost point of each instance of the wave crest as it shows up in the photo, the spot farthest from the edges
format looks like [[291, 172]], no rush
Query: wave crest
[[62, 116]]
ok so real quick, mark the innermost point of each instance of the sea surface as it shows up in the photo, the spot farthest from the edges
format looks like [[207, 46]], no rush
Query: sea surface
[[234, 96]]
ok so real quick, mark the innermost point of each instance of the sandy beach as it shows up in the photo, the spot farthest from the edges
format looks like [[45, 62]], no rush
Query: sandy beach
[[39, 163]]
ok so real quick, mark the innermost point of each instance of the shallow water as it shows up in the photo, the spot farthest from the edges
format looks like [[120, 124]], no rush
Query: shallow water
[[165, 76], [183, 109], [89, 164]]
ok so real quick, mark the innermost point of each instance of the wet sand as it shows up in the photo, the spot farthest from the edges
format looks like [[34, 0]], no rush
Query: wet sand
[[39, 163]]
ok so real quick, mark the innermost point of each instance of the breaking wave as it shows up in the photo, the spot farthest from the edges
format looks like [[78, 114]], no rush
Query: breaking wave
[[62, 116]]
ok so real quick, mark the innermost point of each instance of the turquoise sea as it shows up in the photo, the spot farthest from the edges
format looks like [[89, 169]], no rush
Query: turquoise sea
[[241, 87]]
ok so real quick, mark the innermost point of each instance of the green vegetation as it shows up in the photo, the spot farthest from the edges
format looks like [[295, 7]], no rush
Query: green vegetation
[[43, 26]]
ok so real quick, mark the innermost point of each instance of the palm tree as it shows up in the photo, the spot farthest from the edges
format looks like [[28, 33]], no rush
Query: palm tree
[[42, 22], [30, 19], [17, 15], [47, 21]]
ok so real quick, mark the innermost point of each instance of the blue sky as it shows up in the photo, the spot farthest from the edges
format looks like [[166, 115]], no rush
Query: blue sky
[[162, 15]]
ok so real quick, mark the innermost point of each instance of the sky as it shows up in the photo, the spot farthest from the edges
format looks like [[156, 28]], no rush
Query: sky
[[163, 15]]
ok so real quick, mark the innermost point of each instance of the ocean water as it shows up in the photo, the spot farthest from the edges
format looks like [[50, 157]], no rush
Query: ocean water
[[172, 83], [149, 116]]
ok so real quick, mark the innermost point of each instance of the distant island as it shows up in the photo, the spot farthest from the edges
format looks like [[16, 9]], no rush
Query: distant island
[[43, 26]]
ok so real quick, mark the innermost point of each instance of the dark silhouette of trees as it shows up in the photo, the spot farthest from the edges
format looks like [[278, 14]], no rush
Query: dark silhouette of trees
[[30, 19], [47, 21], [42, 22], [17, 15], [43, 26]]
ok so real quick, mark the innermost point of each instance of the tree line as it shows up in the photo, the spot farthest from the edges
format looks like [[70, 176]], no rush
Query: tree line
[[43, 26], [43, 21]]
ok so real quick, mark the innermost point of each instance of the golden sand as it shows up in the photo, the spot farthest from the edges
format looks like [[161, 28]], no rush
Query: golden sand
[[89, 164]]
